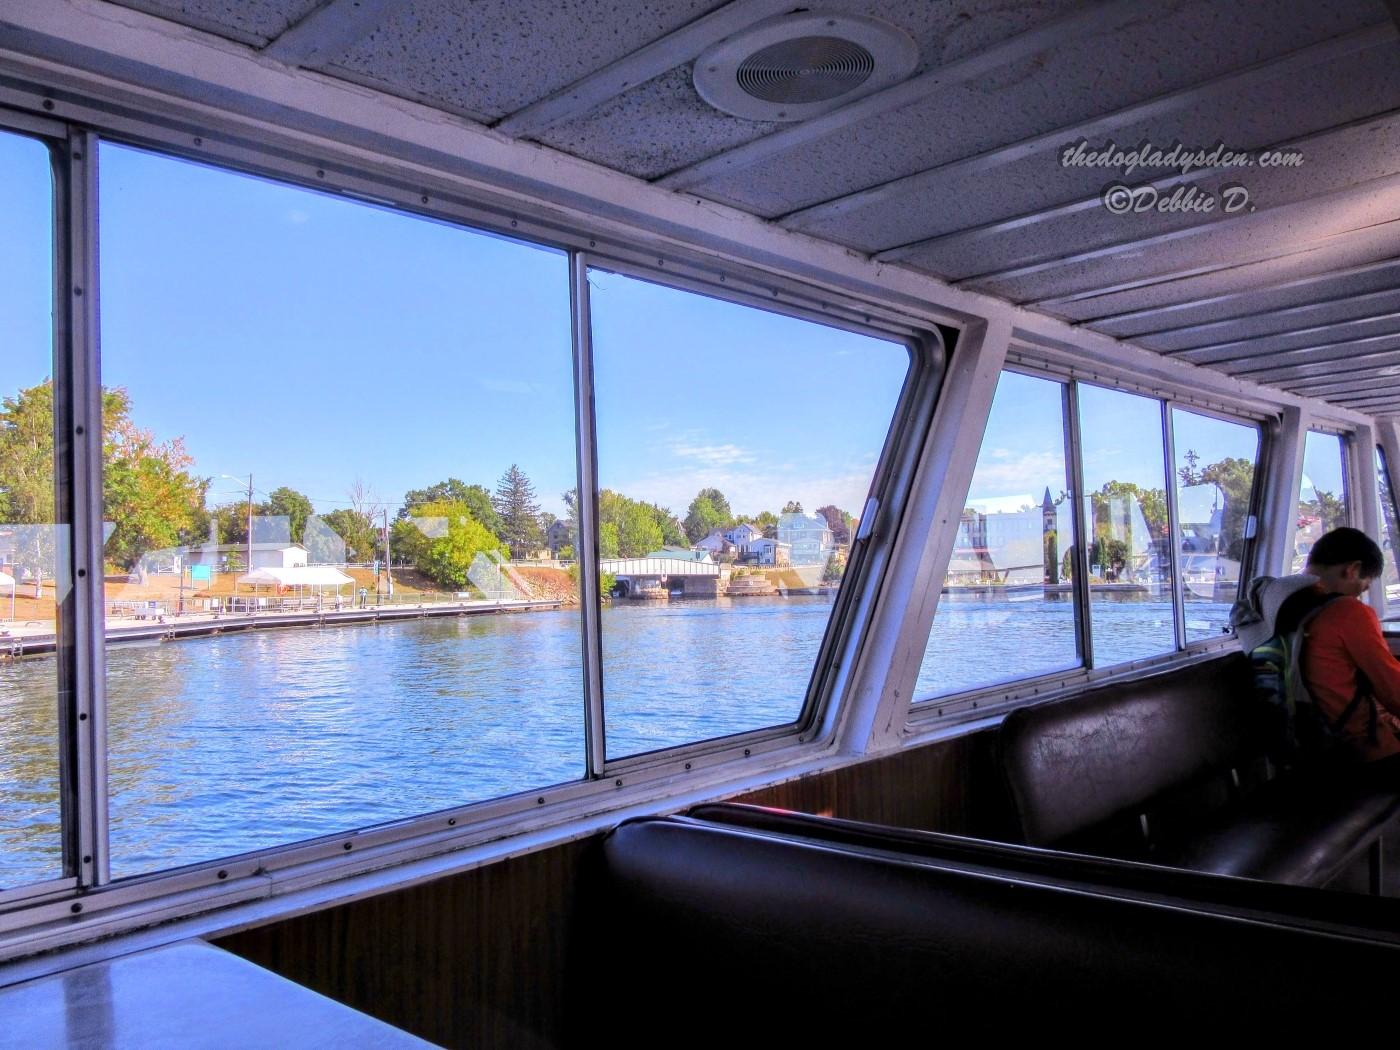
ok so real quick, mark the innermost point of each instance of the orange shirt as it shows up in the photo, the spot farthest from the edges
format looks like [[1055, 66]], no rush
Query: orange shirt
[[1344, 638]]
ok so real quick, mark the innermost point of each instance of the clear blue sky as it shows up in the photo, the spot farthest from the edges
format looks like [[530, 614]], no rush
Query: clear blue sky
[[316, 341]]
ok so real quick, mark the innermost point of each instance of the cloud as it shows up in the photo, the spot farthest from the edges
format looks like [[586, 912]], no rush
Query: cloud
[[713, 455], [750, 490], [1008, 476]]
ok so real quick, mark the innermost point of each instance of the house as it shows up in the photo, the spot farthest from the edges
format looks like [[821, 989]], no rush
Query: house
[[718, 544], [219, 556], [742, 535], [559, 535], [808, 537], [764, 551]]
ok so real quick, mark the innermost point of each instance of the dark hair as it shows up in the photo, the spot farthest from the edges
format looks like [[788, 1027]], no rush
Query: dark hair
[[1344, 545]]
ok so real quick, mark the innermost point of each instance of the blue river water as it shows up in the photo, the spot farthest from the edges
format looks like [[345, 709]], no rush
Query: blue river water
[[237, 742]]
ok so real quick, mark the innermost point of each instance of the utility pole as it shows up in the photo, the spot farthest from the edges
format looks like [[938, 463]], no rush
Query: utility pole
[[388, 567], [250, 523]]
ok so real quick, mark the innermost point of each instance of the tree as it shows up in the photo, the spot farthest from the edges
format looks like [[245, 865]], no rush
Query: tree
[[839, 522], [520, 514], [477, 499], [638, 534], [672, 532], [447, 552], [792, 507], [1234, 478], [148, 494], [357, 531], [292, 505], [721, 505], [703, 517]]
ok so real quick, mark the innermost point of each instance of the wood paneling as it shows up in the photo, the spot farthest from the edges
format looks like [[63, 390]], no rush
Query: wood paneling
[[482, 959]]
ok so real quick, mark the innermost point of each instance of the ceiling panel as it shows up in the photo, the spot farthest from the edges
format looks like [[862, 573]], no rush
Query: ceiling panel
[[251, 21], [1098, 228], [663, 125], [1369, 246], [1298, 342], [1251, 119], [1227, 242], [492, 57], [1256, 309], [1312, 308], [1175, 48]]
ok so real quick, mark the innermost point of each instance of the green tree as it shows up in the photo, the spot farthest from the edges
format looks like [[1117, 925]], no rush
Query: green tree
[[672, 531], [442, 539], [148, 494], [703, 517], [638, 534], [454, 491], [721, 505], [361, 538], [1234, 478], [520, 514], [792, 507], [607, 540], [290, 504]]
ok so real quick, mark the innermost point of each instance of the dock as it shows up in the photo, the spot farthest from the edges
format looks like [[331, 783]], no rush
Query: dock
[[15, 645]]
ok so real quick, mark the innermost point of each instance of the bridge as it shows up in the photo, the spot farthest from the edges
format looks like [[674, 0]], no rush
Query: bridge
[[650, 577]]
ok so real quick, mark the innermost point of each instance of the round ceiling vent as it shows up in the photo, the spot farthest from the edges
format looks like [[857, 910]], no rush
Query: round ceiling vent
[[795, 66]]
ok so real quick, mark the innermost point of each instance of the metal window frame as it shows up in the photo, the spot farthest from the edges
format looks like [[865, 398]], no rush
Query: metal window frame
[[910, 416], [436, 196]]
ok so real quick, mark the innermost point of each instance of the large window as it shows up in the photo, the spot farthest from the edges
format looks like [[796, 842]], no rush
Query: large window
[[35, 576], [736, 449], [340, 517], [357, 424], [1322, 496], [1126, 530], [1390, 533], [1009, 584], [1214, 485], [1011, 606]]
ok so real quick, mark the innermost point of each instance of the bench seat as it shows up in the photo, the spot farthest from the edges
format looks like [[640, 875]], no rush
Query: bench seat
[[1172, 769]]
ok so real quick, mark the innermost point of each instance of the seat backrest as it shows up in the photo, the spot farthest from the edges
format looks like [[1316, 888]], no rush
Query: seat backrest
[[1073, 763], [716, 935]]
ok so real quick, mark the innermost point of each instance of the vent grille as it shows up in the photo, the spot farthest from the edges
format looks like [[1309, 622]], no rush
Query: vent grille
[[795, 66], [809, 69]]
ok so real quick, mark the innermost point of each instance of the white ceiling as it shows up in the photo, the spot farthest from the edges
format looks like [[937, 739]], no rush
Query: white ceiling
[[955, 172]]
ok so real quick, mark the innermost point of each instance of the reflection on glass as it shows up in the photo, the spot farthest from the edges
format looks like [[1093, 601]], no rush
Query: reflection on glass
[[1214, 482], [1129, 560], [1390, 578], [1007, 606], [34, 568], [735, 448], [322, 415], [1322, 496]]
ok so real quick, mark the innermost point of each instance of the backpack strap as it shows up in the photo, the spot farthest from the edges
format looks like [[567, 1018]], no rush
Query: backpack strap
[[1298, 689]]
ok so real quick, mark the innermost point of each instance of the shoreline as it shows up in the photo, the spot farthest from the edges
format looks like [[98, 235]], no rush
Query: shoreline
[[200, 625]]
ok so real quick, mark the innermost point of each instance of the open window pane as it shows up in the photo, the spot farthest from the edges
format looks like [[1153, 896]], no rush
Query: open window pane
[[1127, 551], [355, 425], [736, 448], [1007, 607], [1390, 533], [1214, 483], [34, 541], [1322, 496]]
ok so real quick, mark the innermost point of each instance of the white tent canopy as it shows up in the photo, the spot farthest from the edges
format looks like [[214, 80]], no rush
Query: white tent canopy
[[6, 580], [298, 576]]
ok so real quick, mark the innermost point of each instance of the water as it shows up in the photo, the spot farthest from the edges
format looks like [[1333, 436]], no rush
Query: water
[[237, 742]]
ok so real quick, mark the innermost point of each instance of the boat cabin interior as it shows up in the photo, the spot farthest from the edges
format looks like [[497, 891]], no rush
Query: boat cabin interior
[[544, 522]]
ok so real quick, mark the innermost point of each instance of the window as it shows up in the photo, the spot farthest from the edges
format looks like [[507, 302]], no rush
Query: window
[[1129, 562], [35, 561], [322, 413], [1214, 486], [1007, 607], [1385, 499], [736, 449], [1322, 497], [1007, 613]]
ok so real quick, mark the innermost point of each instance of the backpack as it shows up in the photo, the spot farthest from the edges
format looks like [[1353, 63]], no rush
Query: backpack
[[1299, 734]]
